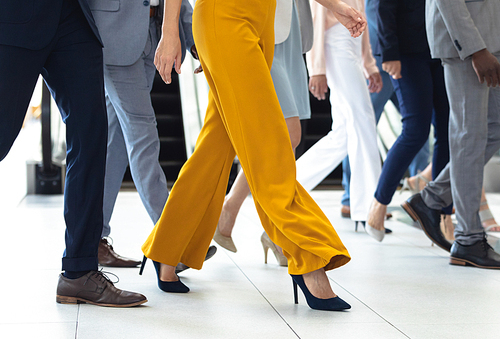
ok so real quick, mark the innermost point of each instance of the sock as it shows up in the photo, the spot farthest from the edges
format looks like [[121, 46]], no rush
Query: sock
[[75, 274]]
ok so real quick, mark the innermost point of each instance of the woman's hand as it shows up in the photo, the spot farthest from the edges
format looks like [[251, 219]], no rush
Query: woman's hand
[[168, 55], [375, 83], [393, 68], [318, 86], [351, 18]]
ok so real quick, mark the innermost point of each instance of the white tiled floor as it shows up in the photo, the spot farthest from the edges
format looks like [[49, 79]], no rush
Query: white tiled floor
[[401, 288]]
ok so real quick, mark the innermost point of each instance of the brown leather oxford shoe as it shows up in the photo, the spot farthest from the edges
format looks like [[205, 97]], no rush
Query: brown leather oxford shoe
[[109, 258], [96, 289]]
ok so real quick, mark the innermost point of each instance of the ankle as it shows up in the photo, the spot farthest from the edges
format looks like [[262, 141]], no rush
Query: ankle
[[167, 273], [318, 284]]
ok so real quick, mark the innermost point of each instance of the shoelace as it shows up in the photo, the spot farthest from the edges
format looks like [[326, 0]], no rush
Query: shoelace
[[486, 244], [102, 277], [109, 242]]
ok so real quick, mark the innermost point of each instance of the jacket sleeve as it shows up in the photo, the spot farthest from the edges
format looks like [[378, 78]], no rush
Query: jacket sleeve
[[316, 56], [387, 29], [186, 20], [369, 62], [461, 27]]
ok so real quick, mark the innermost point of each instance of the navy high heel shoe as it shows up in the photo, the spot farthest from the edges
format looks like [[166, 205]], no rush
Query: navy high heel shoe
[[332, 304], [165, 286]]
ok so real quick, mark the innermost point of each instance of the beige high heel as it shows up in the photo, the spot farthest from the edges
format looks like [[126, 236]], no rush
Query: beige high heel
[[268, 244], [414, 190], [223, 241]]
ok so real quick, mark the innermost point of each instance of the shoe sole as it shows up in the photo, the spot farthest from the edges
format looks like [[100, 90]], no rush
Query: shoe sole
[[345, 215], [415, 217], [463, 262], [74, 300]]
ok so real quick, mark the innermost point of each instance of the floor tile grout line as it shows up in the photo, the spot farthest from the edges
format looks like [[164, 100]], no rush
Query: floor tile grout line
[[263, 296], [371, 309], [77, 321]]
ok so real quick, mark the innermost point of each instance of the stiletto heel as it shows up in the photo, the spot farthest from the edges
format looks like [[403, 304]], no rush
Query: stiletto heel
[[265, 252], [295, 293], [331, 304], [144, 259], [165, 286], [268, 244]]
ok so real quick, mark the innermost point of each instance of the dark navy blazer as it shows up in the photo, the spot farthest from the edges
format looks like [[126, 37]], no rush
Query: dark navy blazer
[[401, 26], [32, 24]]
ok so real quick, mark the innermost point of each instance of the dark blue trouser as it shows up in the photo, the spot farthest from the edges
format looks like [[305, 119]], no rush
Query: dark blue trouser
[[379, 100], [422, 100], [72, 67]]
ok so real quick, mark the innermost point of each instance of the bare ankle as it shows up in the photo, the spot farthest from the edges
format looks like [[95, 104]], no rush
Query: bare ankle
[[318, 284], [167, 273]]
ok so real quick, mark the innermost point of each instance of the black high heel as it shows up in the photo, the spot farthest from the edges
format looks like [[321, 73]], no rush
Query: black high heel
[[165, 286], [363, 223], [332, 304]]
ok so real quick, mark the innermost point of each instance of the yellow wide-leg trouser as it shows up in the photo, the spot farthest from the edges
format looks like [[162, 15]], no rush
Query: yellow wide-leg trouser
[[235, 41]]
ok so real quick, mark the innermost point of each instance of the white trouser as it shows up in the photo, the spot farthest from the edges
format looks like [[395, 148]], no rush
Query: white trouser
[[353, 129]]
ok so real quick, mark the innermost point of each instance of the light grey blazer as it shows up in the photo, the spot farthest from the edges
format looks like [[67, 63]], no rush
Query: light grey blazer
[[124, 28], [283, 22], [459, 28]]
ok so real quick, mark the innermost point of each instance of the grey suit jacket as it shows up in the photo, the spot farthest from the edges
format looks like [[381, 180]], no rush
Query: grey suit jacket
[[124, 28], [459, 28]]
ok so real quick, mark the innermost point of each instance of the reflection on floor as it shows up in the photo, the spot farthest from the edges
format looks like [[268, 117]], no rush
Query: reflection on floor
[[400, 288]]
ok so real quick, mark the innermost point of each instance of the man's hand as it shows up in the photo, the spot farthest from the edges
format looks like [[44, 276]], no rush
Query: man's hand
[[393, 68], [351, 18], [168, 54], [194, 53], [318, 86], [375, 83], [487, 67]]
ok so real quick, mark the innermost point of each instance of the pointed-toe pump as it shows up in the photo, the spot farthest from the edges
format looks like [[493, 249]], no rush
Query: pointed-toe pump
[[223, 241], [375, 233], [268, 244], [331, 304], [363, 223], [165, 286]]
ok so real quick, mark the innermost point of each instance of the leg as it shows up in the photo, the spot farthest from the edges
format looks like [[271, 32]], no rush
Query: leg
[[19, 69], [240, 190], [351, 105], [82, 106], [128, 88], [116, 165], [234, 119], [469, 134]]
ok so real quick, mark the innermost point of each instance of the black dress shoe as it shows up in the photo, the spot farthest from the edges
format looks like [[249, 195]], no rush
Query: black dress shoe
[[109, 258], [210, 253], [480, 254], [428, 218], [96, 289]]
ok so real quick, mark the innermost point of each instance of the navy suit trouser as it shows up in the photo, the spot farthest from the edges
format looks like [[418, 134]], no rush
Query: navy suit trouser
[[72, 67], [422, 100]]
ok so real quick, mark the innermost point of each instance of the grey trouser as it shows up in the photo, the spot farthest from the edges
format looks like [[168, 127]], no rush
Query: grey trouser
[[474, 138], [132, 134]]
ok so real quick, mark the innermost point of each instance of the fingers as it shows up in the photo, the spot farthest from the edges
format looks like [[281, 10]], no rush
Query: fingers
[[198, 70], [164, 67], [177, 64], [318, 92], [495, 76]]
